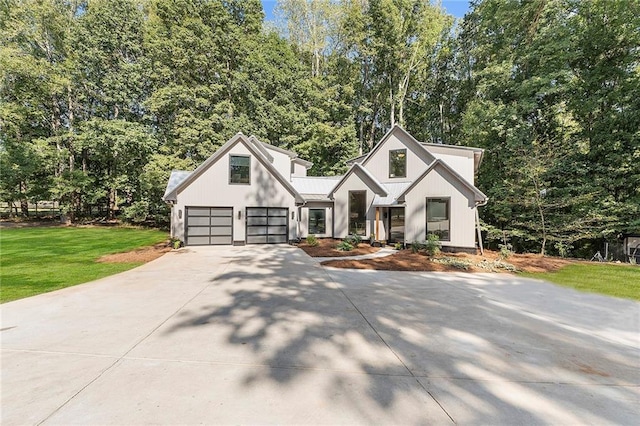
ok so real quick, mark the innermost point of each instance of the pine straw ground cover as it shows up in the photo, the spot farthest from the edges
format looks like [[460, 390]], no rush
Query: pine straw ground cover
[[405, 260], [327, 248]]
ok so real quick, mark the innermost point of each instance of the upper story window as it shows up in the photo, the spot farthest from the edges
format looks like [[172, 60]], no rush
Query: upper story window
[[239, 169], [398, 163]]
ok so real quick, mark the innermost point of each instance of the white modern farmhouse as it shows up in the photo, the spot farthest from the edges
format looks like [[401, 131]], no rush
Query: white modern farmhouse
[[250, 192]]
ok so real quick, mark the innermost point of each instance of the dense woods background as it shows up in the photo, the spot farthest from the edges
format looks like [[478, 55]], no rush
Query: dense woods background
[[101, 99]]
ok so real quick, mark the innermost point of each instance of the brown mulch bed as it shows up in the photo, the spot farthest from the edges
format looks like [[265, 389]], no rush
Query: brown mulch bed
[[145, 254], [327, 248], [405, 260]]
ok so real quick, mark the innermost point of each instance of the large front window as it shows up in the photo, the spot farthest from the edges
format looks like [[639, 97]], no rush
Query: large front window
[[317, 221], [438, 222], [357, 212], [239, 169], [398, 163]]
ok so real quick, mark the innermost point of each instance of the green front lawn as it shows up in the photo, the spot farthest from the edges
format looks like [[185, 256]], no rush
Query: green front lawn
[[612, 280], [38, 260]]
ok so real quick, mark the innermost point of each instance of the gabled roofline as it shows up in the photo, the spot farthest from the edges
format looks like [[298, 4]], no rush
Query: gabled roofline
[[280, 150], [350, 161], [261, 148], [478, 153], [305, 163], [357, 168], [419, 148], [238, 138], [480, 196]]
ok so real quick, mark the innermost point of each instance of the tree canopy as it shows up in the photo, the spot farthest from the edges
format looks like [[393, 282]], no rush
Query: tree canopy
[[101, 99]]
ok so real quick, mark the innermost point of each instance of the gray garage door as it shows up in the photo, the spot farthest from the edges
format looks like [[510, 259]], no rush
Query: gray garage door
[[209, 226], [267, 225]]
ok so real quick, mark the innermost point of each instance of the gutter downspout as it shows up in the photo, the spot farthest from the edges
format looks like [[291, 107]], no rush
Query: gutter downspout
[[480, 204]]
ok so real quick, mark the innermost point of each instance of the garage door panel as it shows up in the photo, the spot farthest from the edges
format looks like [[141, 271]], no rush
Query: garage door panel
[[267, 225], [256, 211], [278, 220], [278, 212], [198, 231], [221, 211], [252, 221], [198, 241], [282, 230], [276, 239], [219, 231], [199, 221], [221, 221], [221, 240], [197, 211], [209, 225], [258, 230]]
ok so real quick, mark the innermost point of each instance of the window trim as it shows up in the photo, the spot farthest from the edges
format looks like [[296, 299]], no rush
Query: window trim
[[391, 153], [230, 165], [364, 229], [426, 211], [324, 221]]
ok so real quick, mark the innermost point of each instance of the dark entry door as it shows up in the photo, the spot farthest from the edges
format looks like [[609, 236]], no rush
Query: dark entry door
[[396, 224], [267, 225]]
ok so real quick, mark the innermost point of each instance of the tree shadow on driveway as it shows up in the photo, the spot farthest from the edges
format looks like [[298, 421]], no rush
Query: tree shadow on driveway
[[412, 344]]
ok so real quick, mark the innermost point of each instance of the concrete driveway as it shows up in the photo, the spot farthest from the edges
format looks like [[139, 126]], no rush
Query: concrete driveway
[[265, 335]]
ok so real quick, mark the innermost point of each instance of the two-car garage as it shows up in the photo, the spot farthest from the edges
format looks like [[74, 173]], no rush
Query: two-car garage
[[214, 225]]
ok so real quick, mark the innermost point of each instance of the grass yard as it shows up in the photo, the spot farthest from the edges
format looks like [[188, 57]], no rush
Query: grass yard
[[612, 280], [41, 259]]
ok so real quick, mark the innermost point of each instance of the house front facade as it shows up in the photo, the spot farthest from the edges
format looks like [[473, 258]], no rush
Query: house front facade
[[250, 192]]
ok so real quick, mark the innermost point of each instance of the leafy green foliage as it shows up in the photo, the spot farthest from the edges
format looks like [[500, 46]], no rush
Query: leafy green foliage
[[353, 239], [312, 241], [344, 246]]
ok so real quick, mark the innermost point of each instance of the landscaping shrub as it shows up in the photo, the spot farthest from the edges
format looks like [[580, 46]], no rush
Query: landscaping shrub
[[453, 262], [416, 246], [312, 241], [353, 239], [432, 245], [344, 246], [398, 246], [505, 250]]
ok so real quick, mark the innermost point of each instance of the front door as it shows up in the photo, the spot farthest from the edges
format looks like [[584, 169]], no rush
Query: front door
[[396, 225]]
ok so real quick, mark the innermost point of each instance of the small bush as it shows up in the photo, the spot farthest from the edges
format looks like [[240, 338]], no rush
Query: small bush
[[176, 243], [416, 246], [398, 246], [353, 239], [312, 241], [505, 250], [344, 246], [563, 248], [453, 262], [432, 245]]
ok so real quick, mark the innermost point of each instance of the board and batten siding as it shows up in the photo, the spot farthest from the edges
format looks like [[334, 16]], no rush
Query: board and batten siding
[[461, 209], [460, 160], [341, 206], [378, 164], [212, 189]]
